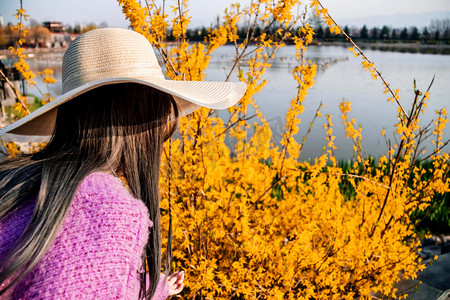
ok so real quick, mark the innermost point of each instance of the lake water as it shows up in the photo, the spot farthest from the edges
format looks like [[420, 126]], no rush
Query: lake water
[[340, 75], [343, 77]]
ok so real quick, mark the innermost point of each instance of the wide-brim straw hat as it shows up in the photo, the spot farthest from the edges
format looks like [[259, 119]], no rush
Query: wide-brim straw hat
[[112, 56]]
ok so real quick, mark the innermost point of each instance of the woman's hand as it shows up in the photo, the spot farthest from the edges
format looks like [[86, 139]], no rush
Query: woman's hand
[[175, 282]]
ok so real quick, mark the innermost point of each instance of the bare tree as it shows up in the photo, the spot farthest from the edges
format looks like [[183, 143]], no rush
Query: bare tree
[[89, 27], [440, 28], [33, 23], [38, 35]]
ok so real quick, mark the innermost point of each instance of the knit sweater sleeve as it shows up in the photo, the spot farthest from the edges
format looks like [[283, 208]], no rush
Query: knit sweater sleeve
[[97, 253]]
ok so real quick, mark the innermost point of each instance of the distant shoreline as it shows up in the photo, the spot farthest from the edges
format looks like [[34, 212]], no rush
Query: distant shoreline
[[397, 47], [393, 47]]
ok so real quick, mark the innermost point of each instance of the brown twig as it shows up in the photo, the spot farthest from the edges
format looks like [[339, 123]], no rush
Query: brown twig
[[343, 174], [436, 150], [367, 59], [412, 116], [183, 37], [283, 152], [163, 52], [310, 126], [15, 91], [268, 189]]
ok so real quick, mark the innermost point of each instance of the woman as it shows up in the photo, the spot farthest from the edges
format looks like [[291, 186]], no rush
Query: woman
[[69, 227]]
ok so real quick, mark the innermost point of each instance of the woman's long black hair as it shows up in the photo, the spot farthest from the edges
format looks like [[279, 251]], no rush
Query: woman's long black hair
[[115, 128]]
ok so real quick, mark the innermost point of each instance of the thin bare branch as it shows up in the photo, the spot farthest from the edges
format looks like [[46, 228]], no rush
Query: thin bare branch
[[367, 59], [15, 91]]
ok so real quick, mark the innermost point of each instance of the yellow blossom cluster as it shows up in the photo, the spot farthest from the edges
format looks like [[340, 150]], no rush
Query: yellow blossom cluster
[[440, 124], [17, 51], [47, 76], [12, 149], [350, 131], [328, 127], [180, 24], [136, 14], [22, 66], [320, 10]]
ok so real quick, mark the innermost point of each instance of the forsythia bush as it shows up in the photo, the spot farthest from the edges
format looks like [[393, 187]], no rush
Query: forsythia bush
[[251, 221]]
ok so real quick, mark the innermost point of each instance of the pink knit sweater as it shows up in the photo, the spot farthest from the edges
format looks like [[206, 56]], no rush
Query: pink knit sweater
[[97, 253]]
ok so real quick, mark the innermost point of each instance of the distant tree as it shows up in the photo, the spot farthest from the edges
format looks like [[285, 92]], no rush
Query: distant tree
[[319, 32], [170, 36], [69, 28], [38, 35], [89, 27], [404, 34], [364, 33], [414, 36], [257, 31], [242, 33], [33, 23], [9, 35], [203, 32], [394, 34], [347, 30], [441, 28], [446, 28], [103, 24], [436, 35], [77, 28], [189, 33], [384, 33], [354, 31], [3, 41], [4, 38], [272, 29], [197, 34], [327, 33], [425, 34], [434, 25], [374, 33]]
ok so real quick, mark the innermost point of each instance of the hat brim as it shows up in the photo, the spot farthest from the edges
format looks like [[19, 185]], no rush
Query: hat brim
[[189, 95]]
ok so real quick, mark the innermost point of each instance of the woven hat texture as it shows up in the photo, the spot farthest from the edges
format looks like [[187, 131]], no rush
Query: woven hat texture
[[113, 55]]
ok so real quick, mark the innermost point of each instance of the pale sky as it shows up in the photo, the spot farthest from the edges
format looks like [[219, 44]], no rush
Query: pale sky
[[204, 12]]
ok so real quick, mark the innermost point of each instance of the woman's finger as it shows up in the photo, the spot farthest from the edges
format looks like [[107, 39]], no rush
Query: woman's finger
[[172, 278], [179, 288], [181, 276]]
